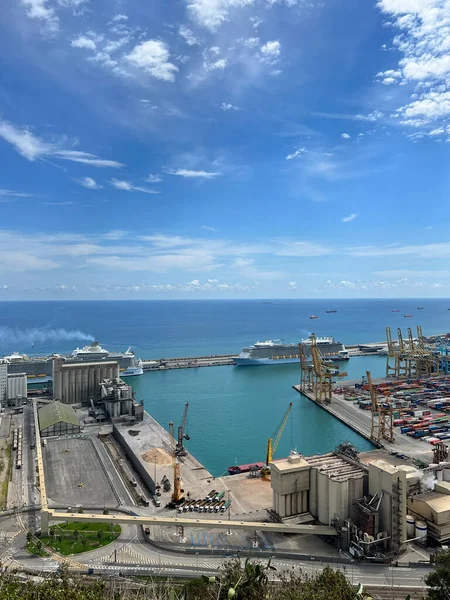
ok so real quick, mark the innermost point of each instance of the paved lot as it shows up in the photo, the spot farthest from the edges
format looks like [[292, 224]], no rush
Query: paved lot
[[69, 462]]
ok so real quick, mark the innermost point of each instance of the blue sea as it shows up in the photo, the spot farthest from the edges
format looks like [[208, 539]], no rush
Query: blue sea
[[233, 410]]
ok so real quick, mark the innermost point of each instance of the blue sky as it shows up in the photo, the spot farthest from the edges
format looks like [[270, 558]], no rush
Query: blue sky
[[224, 149]]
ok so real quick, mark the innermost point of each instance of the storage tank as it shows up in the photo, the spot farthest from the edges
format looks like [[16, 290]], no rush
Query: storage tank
[[323, 506], [410, 523], [421, 530]]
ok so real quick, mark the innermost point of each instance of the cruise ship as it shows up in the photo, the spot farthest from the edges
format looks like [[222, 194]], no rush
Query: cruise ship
[[276, 352], [40, 369]]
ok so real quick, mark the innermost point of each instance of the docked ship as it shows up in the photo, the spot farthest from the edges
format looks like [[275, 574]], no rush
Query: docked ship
[[276, 352], [40, 369]]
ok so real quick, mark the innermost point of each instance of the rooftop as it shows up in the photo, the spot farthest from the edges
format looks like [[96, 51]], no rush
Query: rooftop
[[336, 467], [56, 412], [436, 501]]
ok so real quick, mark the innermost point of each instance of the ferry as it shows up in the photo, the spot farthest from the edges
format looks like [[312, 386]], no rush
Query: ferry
[[407, 316], [331, 311], [313, 317], [395, 310]]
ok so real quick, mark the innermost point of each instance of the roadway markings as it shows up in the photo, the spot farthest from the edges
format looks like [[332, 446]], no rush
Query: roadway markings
[[403, 569]]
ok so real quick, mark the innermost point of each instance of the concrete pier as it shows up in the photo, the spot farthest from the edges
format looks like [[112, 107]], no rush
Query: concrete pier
[[188, 362], [361, 421]]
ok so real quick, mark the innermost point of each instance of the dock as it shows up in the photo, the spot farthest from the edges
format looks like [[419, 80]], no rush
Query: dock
[[188, 362], [361, 421]]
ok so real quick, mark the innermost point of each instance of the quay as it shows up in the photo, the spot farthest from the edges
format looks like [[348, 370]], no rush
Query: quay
[[361, 421], [189, 362]]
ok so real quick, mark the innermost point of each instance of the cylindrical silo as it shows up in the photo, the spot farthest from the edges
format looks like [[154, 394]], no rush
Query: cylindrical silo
[[410, 523], [323, 504], [421, 530]]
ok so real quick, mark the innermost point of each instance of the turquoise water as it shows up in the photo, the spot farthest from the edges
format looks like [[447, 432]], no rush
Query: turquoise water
[[233, 410]]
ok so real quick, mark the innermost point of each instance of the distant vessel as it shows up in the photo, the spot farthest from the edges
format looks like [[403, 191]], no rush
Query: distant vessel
[[276, 352], [313, 317], [40, 369], [420, 308], [268, 302], [236, 469], [331, 311], [395, 310], [407, 316]]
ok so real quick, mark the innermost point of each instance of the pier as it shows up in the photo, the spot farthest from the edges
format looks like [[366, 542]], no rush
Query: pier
[[361, 421], [189, 362]]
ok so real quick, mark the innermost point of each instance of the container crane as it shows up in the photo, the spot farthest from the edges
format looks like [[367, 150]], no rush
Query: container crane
[[273, 445], [323, 374], [178, 493], [180, 450], [384, 428]]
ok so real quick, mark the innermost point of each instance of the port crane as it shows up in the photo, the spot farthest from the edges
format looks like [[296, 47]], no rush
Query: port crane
[[306, 370], [273, 445], [178, 493], [180, 450], [384, 427], [323, 374]]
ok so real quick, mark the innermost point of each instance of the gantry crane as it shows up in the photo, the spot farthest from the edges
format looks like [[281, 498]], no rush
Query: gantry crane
[[180, 450], [178, 493], [273, 445], [384, 427], [306, 370], [392, 354], [323, 374]]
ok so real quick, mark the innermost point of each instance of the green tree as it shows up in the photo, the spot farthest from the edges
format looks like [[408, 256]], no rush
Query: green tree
[[76, 534], [29, 536], [83, 540], [39, 546], [100, 535], [438, 581]]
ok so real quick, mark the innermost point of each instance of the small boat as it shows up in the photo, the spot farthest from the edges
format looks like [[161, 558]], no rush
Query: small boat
[[331, 311], [316, 317], [420, 308], [395, 310], [407, 316]]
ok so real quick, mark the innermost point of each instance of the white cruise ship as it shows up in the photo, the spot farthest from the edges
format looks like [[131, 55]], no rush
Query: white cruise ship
[[276, 352], [129, 365]]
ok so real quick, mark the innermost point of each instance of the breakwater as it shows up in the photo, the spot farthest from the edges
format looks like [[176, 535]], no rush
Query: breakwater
[[189, 362]]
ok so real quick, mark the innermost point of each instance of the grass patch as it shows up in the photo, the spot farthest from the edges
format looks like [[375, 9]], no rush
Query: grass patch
[[77, 537], [32, 548]]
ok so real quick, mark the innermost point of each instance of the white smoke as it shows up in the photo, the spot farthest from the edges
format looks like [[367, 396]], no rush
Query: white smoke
[[428, 481], [8, 335]]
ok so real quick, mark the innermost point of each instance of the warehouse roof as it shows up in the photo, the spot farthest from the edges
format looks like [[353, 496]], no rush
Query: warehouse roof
[[56, 412], [436, 501]]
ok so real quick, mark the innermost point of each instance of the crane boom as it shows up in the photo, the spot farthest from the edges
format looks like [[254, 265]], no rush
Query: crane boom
[[271, 445], [182, 435]]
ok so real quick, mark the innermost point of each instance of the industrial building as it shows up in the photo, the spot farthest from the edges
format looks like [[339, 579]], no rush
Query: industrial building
[[429, 514], [3, 381], [290, 485], [77, 383], [16, 389], [57, 419], [118, 400]]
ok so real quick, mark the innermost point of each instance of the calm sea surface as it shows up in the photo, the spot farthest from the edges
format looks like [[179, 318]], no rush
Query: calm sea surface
[[233, 410]]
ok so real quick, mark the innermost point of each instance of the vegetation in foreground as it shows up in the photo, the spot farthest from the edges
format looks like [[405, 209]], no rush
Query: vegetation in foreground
[[237, 581], [74, 538]]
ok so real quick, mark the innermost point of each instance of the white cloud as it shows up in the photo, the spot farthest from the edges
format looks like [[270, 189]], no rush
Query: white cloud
[[83, 42], [299, 248], [90, 183], [189, 174], [153, 178], [12, 194], [209, 228], [225, 106], [423, 42], [152, 57], [373, 116], [211, 62], [40, 11], [188, 36], [212, 13], [297, 153], [19, 261], [349, 218], [270, 52], [292, 285], [126, 186], [345, 136], [119, 17], [62, 203], [33, 148]]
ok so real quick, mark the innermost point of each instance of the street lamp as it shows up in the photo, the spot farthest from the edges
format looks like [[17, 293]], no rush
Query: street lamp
[[229, 513], [196, 555]]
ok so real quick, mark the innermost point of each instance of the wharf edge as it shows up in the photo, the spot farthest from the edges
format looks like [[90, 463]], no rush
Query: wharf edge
[[329, 408]]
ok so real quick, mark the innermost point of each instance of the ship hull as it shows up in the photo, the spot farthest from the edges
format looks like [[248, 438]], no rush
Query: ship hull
[[255, 362]]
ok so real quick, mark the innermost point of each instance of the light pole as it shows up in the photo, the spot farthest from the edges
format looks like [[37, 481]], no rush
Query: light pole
[[196, 556]]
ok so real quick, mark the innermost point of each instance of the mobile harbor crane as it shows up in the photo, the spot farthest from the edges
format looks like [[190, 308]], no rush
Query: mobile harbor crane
[[272, 446], [178, 493], [180, 450]]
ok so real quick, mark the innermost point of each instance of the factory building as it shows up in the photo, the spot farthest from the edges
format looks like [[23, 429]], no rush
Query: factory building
[[57, 419], [429, 514], [290, 485], [16, 389], [335, 485], [76, 383], [3, 381]]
